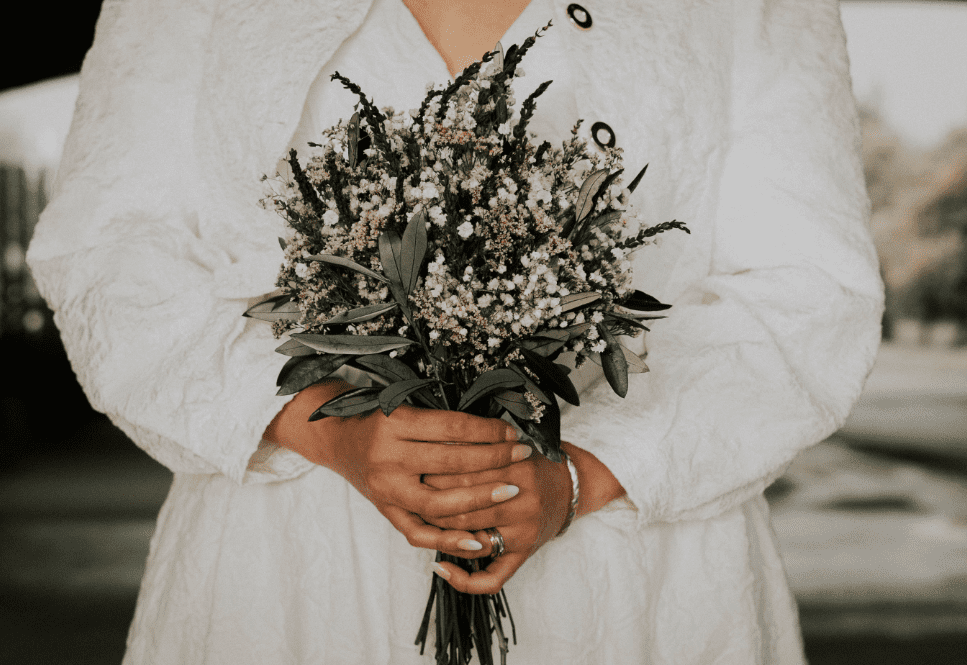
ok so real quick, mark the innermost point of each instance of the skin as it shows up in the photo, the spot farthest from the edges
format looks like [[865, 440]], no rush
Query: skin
[[439, 495], [386, 458]]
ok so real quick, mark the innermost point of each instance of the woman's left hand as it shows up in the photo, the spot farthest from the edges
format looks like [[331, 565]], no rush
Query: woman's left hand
[[525, 522]]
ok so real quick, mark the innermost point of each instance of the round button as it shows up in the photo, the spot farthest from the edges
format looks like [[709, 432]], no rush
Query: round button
[[602, 135], [579, 16]]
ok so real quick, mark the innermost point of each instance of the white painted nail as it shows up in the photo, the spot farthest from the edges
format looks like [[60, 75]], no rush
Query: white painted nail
[[504, 492], [520, 452], [470, 544], [441, 571]]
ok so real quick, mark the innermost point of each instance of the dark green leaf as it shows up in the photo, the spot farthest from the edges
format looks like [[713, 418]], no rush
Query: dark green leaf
[[353, 139], [282, 243], [352, 344], [643, 302], [530, 385], [294, 347], [627, 320], [311, 371], [559, 334], [362, 313], [487, 383], [396, 393], [348, 404], [606, 219], [391, 369], [578, 330], [614, 364], [414, 250], [551, 376], [391, 256], [576, 300], [515, 403], [274, 309], [585, 202], [542, 347], [287, 368], [636, 364], [546, 434], [634, 183], [346, 263]]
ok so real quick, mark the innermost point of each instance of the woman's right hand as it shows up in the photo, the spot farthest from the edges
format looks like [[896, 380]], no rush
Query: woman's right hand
[[385, 457]]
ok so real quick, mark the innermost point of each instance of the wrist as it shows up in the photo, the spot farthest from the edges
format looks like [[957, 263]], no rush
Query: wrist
[[598, 486], [291, 428]]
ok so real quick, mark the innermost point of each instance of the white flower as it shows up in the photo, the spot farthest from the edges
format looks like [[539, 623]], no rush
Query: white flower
[[597, 317], [434, 334], [465, 230], [302, 270], [331, 218], [599, 346], [504, 129], [492, 342]]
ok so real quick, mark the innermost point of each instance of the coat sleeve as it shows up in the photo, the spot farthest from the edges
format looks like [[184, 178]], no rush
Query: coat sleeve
[[126, 259], [767, 354]]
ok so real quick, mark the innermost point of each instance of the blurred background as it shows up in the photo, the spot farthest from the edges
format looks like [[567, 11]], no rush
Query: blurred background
[[872, 522]]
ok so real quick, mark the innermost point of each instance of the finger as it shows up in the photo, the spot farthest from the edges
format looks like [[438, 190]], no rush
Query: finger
[[438, 458], [446, 482], [518, 510], [437, 504], [420, 534], [490, 580], [451, 427]]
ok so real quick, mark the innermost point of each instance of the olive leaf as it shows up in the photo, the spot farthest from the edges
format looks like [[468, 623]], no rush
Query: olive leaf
[[402, 256], [546, 434], [634, 183], [294, 347], [515, 403], [530, 385], [498, 54], [348, 404], [310, 371], [542, 346], [627, 320], [585, 201], [282, 243], [577, 331], [389, 368], [362, 314], [396, 393], [643, 302], [636, 364], [395, 370], [614, 363], [487, 383], [576, 300], [551, 376], [346, 263], [353, 139], [352, 344], [275, 309]]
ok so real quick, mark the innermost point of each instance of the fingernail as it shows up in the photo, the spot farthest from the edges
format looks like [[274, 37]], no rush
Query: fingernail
[[510, 434], [441, 571], [504, 492], [520, 452], [470, 544]]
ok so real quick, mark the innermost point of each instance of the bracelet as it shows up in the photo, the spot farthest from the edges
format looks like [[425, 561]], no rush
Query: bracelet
[[575, 493]]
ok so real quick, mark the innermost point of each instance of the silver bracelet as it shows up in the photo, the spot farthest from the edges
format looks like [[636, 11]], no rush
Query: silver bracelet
[[575, 493]]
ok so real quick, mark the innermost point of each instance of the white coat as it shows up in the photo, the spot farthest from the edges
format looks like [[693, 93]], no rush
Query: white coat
[[154, 245]]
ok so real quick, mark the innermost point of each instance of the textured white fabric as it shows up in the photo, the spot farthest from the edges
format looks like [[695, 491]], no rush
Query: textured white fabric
[[154, 245]]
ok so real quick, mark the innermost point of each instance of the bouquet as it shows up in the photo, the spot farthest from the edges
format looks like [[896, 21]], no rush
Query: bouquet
[[445, 254]]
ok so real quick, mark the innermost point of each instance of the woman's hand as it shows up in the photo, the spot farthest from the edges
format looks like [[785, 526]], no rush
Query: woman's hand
[[527, 521], [385, 457]]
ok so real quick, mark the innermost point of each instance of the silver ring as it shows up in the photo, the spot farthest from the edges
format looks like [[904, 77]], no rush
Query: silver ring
[[497, 546]]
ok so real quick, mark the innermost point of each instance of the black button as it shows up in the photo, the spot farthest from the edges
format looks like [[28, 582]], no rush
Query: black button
[[579, 16], [602, 135]]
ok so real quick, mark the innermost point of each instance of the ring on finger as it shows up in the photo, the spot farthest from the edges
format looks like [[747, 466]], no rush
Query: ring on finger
[[497, 546]]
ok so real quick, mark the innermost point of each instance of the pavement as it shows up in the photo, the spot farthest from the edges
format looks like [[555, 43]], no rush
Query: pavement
[[872, 525]]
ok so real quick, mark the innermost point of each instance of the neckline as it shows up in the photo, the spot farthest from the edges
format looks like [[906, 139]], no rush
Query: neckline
[[513, 28]]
